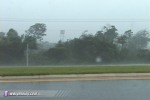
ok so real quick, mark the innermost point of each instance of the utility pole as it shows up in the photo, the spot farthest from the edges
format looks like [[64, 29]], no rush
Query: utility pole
[[27, 63], [62, 35]]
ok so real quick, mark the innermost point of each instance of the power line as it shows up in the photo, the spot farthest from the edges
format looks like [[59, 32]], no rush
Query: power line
[[74, 20]]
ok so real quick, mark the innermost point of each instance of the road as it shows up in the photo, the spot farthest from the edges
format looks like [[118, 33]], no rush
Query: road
[[80, 90], [83, 65]]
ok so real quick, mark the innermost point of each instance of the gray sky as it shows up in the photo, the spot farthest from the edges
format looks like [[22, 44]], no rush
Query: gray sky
[[83, 15]]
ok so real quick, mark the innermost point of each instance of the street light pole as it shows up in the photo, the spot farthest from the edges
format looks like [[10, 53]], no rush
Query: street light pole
[[27, 63]]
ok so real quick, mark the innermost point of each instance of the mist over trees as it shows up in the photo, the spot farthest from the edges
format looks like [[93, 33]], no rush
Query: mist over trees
[[105, 46]]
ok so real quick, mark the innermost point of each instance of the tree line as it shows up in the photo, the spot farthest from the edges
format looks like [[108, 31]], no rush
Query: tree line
[[105, 46], [13, 46]]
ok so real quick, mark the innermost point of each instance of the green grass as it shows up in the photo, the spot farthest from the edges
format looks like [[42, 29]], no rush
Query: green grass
[[27, 71]]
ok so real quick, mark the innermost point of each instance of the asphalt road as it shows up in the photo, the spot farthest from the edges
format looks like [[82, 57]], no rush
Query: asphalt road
[[80, 90], [83, 65]]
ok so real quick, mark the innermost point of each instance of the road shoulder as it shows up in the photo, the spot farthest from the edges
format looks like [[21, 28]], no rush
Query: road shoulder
[[76, 77]]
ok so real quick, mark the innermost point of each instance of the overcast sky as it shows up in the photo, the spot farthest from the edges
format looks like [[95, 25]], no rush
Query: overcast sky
[[82, 15]]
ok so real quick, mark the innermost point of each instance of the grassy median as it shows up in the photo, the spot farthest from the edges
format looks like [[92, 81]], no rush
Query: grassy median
[[29, 71]]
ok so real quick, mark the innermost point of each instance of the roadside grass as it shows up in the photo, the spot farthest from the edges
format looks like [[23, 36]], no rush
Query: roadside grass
[[29, 71]]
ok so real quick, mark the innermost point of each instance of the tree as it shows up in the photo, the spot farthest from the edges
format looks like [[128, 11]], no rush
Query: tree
[[37, 31], [14, 44], [100, 35], [2, 34], [34, 33], [12, 33], [3, 42], [31, 41], [122, 40], [125, 38], [10, 47], [140, 40], [128, 33], [2, 38], [110, 33]]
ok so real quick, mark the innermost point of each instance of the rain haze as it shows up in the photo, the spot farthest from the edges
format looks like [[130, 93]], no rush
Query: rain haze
[[74, 49], [74, 16]]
